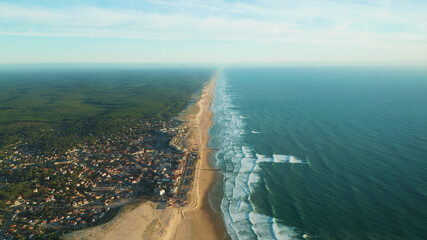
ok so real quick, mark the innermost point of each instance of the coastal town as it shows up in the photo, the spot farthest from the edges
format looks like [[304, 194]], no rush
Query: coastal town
[[86, 185]]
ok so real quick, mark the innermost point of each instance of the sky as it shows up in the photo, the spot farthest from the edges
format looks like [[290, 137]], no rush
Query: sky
[[191, 31]]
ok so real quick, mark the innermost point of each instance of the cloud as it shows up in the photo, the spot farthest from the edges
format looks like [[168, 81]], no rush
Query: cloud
[[313, 24], [209, 20], [97, 22]]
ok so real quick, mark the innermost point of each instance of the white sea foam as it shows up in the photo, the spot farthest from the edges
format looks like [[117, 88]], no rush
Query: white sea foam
[[263, 158], [241, 174], [293, 159], [278, 158]]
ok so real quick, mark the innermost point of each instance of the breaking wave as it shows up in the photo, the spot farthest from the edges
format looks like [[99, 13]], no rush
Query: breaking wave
[[240, 165]]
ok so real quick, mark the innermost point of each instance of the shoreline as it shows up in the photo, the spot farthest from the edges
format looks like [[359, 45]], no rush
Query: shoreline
[[199, 221], [141, 219]]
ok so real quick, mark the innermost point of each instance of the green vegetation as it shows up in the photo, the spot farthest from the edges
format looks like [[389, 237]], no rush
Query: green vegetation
[[53, 110], [65, 134]]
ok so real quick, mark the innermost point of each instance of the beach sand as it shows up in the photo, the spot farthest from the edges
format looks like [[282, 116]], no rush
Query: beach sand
[[139, 220], [199, 221], [196, 220]]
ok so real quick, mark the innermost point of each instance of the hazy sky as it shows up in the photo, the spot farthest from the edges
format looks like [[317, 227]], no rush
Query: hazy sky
[[264, 31]]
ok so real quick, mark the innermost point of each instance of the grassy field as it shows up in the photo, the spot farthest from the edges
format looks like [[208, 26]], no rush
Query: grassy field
[[57, 105]]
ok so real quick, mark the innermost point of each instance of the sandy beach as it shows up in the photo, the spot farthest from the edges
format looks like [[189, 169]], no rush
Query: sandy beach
[[196, 220], [139, 220]]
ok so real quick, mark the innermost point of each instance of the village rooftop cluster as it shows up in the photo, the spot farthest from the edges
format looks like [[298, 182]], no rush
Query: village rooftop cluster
[[64, 192]]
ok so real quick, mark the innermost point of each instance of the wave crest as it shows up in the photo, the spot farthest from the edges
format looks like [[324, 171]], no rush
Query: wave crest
[[241, 174]]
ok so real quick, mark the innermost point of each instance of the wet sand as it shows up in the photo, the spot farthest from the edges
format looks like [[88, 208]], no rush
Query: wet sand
[[198, 219]]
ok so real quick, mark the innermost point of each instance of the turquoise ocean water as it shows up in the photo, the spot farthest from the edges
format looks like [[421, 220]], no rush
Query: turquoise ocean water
[[322, 153]]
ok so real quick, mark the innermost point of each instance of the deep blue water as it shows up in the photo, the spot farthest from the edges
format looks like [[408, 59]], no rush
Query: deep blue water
[[322, 153]]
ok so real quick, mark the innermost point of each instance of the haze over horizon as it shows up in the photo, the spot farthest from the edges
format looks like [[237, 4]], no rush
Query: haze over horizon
[[188, 31]]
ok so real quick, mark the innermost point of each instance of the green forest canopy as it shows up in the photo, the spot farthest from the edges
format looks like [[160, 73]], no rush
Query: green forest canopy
[[49, 106]]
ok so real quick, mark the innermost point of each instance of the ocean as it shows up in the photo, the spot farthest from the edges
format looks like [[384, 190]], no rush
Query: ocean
[[322, 152]]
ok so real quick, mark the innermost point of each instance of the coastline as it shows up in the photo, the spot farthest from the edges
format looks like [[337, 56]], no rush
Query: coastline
[[198, 220], [142, 220]]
